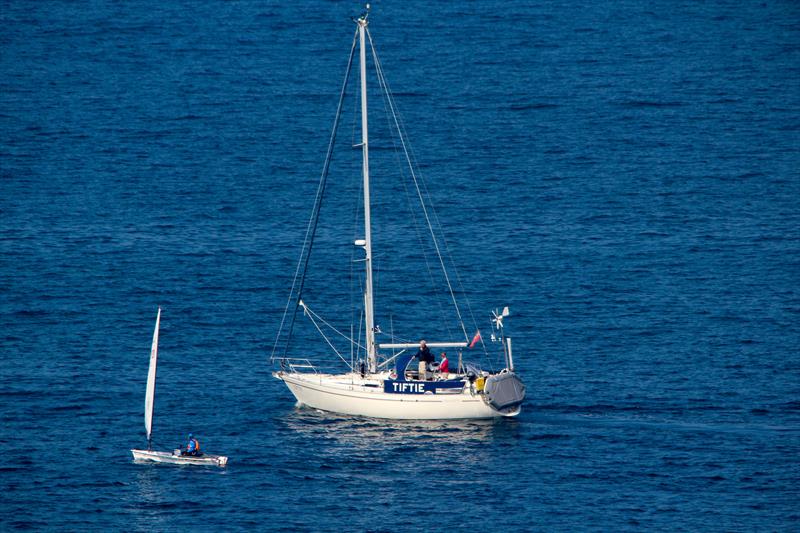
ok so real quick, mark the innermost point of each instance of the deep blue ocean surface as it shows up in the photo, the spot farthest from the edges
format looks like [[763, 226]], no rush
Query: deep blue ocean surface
[[624, 175]]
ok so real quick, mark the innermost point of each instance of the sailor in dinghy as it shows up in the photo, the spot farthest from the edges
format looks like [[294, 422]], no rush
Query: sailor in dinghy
[[192, 447], [174, 457]]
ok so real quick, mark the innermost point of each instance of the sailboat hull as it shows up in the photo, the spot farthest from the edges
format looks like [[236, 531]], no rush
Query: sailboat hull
[[178, 459], [350, 394]]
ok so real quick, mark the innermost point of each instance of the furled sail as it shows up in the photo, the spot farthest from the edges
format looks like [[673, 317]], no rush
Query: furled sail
[[149, 397]]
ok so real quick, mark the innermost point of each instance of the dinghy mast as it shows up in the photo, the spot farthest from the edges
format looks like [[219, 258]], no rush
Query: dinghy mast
[[149, 398]]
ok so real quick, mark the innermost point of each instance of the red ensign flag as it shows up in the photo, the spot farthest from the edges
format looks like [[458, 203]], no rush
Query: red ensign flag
[[475, 340]]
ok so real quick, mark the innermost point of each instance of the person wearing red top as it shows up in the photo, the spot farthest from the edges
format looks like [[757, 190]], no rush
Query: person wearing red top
[[444, 365]]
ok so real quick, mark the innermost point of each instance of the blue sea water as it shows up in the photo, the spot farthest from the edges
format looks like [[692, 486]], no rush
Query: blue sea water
[[624, 175]]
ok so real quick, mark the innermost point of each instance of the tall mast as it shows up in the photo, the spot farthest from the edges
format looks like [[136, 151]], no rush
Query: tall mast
[[369, 316]]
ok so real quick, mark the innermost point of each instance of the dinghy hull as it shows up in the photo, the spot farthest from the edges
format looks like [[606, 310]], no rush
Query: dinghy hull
[[178, 459]]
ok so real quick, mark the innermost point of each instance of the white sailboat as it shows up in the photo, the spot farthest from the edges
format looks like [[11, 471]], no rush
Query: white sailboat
[[375, 388], [173, 457]]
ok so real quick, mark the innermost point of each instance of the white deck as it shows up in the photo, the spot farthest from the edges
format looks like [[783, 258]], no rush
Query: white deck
[[351, 394], [178, 459]]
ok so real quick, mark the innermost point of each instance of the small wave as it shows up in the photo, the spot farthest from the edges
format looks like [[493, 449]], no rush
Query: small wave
[[31, 313], [411, 94], [101, 484], [28, 524], [59, 408], [529, 107], [643, 104], [550, 436], [20, 393], [790, 406], [748, 175], [185, 118]]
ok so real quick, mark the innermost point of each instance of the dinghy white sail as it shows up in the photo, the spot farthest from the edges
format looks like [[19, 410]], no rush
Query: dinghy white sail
[[382, 385], [173, 457]]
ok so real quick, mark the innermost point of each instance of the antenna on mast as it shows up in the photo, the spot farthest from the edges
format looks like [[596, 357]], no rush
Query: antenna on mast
[[363, 16]]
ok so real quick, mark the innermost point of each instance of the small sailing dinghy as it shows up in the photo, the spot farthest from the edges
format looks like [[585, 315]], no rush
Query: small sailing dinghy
[[175, 456], [382, 385]]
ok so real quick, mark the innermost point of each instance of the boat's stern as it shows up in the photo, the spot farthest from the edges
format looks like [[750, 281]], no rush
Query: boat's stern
[[504, 392]]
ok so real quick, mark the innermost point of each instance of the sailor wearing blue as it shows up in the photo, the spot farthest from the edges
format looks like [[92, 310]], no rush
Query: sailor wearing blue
[[192, 447]]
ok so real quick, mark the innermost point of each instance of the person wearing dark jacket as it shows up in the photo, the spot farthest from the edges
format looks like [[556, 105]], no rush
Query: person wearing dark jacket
[[425, 359]]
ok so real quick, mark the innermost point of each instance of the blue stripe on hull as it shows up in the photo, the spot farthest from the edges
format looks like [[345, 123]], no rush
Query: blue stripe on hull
[[392, 386]]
